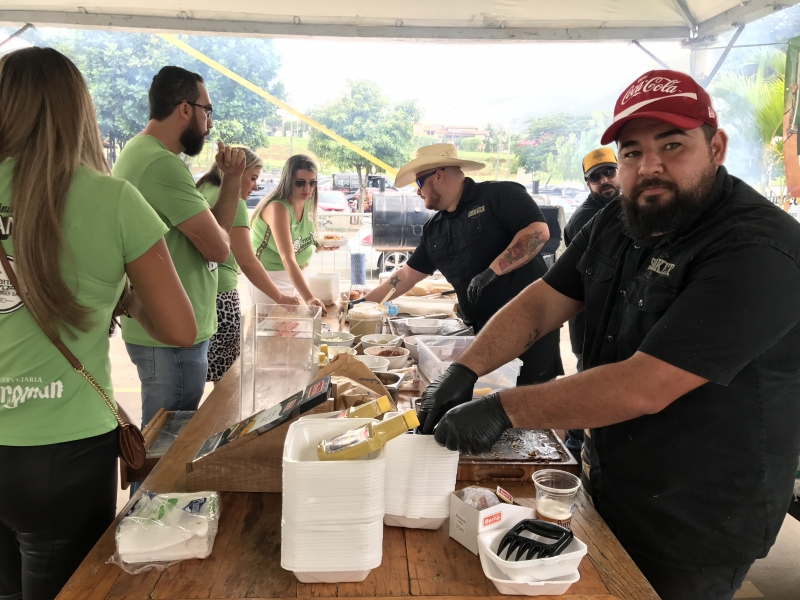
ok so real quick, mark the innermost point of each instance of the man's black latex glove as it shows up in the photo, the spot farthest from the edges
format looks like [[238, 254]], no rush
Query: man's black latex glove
[[451, 389], [479, 283], [473, 427]]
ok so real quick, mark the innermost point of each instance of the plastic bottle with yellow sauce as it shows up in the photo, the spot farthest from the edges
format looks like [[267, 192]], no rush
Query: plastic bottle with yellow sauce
[[367, 438], [370, 410]]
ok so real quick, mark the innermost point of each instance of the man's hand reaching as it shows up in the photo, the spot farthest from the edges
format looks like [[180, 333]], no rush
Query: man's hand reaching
[[451, 389]]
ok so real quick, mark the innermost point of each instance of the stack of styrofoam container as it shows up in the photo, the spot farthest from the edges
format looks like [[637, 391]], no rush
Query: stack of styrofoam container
[[437, 353], [332, 523], [420, 476]]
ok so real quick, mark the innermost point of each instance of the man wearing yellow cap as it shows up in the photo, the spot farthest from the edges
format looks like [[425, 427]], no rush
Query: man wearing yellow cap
[[600, 173], [485, 239]]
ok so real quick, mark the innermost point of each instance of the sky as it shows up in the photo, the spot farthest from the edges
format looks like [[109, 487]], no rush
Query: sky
[[472, 84]]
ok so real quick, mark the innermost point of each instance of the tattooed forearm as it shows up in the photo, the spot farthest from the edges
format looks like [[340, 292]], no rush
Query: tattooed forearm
[[532, 337], [523, 250], [394, 280]]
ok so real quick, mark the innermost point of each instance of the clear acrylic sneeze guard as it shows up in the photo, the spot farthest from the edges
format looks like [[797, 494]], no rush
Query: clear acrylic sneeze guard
[[279, 354]]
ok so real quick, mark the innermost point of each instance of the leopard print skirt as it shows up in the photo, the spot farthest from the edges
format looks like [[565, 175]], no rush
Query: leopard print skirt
[[225, 344]]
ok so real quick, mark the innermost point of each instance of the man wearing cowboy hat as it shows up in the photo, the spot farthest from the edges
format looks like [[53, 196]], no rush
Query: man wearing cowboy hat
[[485, 239], [692, 351]]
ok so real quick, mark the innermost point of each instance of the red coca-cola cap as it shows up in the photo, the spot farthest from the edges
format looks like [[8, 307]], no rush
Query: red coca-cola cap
[[669, 96]]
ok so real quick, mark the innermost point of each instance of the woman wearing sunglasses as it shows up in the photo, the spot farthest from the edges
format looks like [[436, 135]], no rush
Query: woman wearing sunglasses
[[282, 230], [225, 344]]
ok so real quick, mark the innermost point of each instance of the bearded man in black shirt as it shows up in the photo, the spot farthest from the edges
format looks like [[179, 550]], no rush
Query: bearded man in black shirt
[[691, 349]]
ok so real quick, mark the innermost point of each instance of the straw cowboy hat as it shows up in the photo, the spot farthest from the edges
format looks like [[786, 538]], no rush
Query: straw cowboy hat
[[430, 157]]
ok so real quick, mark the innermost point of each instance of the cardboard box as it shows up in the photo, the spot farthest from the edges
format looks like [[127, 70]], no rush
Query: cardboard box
[[466, 522]]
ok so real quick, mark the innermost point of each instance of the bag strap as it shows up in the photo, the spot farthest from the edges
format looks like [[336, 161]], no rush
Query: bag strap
[[76, 364]]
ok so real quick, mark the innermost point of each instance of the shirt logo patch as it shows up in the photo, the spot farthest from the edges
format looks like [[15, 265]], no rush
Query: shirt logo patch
[[476, 211], [660, 266], [9, 299]]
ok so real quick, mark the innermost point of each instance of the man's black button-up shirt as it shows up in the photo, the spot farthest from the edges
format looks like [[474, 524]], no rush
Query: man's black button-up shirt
[[465, 242], [707, 481]]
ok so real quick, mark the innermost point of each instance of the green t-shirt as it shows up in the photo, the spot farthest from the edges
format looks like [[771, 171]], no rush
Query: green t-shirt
[[302, 238], [43, 400], [228, 272], [166, 183]]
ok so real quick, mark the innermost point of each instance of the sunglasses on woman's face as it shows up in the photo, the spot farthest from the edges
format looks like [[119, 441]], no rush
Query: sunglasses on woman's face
[[301, 183]]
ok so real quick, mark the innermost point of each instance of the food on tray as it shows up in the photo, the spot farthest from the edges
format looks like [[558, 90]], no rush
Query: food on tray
[[332, 237], [426, 288]]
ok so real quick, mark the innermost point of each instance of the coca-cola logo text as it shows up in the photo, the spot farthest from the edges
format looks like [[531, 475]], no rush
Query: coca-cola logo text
[[654, 84]]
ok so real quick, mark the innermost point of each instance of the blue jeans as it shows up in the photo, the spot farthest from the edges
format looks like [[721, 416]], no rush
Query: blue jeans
[[172, 378]]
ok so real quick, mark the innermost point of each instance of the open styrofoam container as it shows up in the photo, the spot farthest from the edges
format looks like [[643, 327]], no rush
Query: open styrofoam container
[[437, 353], [304, 436], [537, 569], [411, 523], [550, 587]]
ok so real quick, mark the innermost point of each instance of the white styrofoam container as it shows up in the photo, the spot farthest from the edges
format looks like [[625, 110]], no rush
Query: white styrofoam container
[[411, 523], [550, 587], [537, 569], [437, 353], [331, 576]]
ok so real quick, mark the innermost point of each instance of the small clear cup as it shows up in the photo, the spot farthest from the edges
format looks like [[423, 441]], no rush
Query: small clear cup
[[556, 492]]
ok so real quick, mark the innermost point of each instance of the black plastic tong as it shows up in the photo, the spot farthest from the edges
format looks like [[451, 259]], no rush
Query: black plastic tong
[[514, 541]]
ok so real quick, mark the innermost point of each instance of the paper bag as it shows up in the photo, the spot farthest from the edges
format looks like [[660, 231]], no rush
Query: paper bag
[[349, 366]]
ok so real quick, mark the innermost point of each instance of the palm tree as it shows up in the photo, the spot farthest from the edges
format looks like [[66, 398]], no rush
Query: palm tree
[[752, 104]]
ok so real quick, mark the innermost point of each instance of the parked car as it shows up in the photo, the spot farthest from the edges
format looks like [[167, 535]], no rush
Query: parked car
[[264, 188], [333, 201]]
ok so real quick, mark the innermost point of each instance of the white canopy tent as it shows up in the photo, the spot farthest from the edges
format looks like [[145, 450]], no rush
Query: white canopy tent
[[468, 20]]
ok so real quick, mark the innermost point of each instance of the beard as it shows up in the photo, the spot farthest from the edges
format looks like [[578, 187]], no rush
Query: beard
[[433, 200], [193, 139], [656, 216], [607, 192]]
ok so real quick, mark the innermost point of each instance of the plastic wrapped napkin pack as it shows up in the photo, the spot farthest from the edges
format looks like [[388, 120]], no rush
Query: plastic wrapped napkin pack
[[162, 529]]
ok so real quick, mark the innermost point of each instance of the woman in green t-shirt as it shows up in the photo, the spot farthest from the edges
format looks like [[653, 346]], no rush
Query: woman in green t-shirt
[[282, 229], [71, 233], [225, 344]]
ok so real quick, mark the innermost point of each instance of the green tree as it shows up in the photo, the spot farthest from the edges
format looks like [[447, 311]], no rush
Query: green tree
[[119, 67], [470, 144], [367, 118], [554, 146], [750, 102]]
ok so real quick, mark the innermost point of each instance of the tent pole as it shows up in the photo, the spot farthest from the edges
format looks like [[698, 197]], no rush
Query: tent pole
[[722, 58], [650, 54], [17, 33]]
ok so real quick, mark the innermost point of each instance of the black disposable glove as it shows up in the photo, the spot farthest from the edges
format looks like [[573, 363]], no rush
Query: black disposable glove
[[473, 427], [479, 283], [451, 389]]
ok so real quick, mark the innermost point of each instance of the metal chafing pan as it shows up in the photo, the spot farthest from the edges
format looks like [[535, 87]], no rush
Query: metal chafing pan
[[391, 381]]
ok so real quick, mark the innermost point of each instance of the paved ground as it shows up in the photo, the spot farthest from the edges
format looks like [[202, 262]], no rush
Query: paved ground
[[776, 577]]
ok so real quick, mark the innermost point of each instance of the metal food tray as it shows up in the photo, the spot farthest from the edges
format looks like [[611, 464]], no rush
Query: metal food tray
[[391, 381], [397, 326]]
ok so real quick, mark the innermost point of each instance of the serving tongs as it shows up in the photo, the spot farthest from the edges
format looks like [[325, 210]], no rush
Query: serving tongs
[[514, 541]]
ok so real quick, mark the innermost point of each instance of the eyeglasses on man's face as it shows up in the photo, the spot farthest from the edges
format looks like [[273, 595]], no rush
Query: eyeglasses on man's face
[[206, 107], [421, 180], [597, 176]]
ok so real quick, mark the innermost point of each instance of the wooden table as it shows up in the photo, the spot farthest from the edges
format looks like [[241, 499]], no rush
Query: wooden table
[[245, 562]]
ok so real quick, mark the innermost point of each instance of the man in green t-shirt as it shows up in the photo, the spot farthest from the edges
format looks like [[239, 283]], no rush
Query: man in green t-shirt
[[180, 120]]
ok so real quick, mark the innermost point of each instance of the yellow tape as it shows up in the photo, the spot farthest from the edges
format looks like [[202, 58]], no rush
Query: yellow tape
[[279, 103]]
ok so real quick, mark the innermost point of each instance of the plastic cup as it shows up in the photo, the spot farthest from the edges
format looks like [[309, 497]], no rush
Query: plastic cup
[[555, 495]]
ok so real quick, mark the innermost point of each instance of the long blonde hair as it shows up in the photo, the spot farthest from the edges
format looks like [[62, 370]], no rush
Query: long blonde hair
[[286, 185], [48, 126], [214, 175]]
